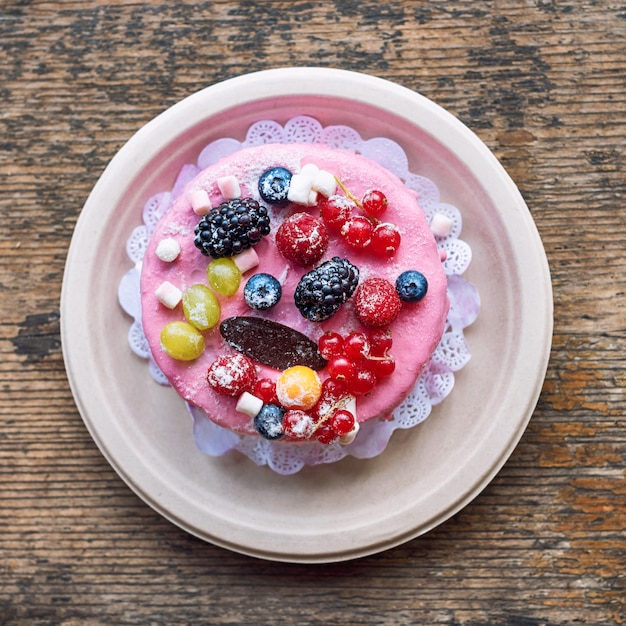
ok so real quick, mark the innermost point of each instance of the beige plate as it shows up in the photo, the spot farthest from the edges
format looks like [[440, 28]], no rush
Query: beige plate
[[351, 508]]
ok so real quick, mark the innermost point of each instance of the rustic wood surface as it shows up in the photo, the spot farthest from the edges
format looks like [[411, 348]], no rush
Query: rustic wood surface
[[543, 83]]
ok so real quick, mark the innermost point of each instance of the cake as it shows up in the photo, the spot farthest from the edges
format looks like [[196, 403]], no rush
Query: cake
[[294, 292]]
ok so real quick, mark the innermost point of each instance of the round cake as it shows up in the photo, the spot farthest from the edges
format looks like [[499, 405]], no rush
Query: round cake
[[294, 291]]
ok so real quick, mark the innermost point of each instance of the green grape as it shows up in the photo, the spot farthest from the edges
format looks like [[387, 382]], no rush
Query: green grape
[[182, 341], [201, 307], [224, 276]]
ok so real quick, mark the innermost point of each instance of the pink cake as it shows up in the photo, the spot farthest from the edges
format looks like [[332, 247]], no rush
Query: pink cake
[[173, 262]]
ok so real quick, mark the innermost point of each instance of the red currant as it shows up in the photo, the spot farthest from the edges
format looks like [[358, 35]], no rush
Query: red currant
[[341, 368], [325, 433], [298, 424], [330, 344], [385, 240], [265, 389], [335, 211], [382, 366], [363, 381], [357, 231], [342, 422], [374, 202], [333, 388], [380, 341], [356, 345]]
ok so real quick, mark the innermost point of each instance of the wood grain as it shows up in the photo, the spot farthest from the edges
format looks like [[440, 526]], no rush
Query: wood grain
[[543, 83]]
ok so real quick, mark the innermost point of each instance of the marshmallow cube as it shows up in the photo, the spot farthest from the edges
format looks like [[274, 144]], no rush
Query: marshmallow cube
[[246, 260], [229, 187], [168, 295], [200, 202], [325, 183], [249, 404]]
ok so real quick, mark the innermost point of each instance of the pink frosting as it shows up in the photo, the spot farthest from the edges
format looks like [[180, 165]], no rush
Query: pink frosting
[[416, 332]]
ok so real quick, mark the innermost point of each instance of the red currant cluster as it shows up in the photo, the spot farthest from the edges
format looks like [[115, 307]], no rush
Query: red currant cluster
[[361, 231], [358, 360]]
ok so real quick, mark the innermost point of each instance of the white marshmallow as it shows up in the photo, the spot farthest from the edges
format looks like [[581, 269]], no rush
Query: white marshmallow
[[168, 295], [440, 225], [168, 249], [229, 187], [299, 189], [325, 183], [200, 202], [249, 404], [310, 170], [246, 260]]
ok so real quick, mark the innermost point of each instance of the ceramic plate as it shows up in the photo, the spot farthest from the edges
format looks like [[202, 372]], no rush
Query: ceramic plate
[[354, 507]]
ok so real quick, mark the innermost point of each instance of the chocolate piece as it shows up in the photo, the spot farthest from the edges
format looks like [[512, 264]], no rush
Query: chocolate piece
[[271, 343]]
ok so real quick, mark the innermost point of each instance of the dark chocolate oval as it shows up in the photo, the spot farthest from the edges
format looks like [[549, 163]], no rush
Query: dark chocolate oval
[[271, 343]]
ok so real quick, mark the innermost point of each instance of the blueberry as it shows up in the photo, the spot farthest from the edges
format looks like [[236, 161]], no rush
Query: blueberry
[[411, 286], [269, 422], [262, 292], [274, 185]]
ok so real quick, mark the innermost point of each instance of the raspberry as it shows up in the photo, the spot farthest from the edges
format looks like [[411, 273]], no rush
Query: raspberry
[[232, 374], [376, 302], [302, 239], [321, 292], [231, 228]]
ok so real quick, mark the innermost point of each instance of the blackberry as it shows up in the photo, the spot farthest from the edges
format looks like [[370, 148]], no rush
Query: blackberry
[[321, 292], [231, 227]]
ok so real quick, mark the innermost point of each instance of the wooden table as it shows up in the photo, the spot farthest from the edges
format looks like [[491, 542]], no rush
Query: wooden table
[[543, 83]]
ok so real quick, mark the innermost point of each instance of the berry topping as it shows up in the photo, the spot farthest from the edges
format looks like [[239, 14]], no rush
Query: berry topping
[[224, 276], [374, 202], [262, 292], [182, 341], [335, 211], [321, 292], [271, 343], [201, 307], [385, 240], [330, 344], [298, 424], [302, 239], [363, 381], [232, 374], [341, 369], [274, 185], [269, 422], [380, 341], [342, 422], [231, 228], [411, 286], [356, 345], [377, 302], [357, 231], [326, 434], [298, 387], [265, 389]]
